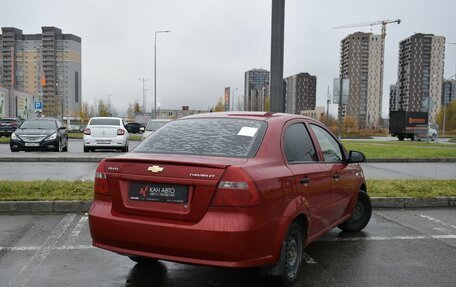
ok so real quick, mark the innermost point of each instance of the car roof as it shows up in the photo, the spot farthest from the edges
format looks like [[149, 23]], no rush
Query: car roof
[[41, 119], [106, 118], [261, 116]]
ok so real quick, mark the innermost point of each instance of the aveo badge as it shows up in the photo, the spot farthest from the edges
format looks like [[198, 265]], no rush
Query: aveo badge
[[155, 169]]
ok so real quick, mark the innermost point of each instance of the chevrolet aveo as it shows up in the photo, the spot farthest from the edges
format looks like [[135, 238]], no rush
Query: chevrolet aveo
[[231, 190]]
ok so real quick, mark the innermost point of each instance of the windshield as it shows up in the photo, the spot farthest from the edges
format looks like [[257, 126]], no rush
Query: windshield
[[104, 122], [207, 137], [155, 125], [47, 125]]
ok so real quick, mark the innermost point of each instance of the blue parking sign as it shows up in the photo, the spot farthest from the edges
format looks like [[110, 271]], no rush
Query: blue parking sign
[[38, 106]]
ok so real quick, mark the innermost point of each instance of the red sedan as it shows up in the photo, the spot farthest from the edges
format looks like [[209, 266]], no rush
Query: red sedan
[[229, 189]]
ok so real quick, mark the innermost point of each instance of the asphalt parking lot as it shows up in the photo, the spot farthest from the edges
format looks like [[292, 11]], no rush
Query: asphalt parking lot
[[398, 248]]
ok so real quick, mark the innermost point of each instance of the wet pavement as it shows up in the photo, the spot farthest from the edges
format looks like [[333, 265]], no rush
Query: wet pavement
[[398, 248]]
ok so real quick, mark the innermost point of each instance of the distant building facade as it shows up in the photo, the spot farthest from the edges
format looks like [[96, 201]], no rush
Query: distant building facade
[[46, 66], [448, 92], [227, 99], [361, 63], [420, 74], [393, 97], [316, 113], [256, 89], [300, 93]]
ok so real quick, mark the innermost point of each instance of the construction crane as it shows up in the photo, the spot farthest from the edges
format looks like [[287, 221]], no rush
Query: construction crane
[[374, 23]]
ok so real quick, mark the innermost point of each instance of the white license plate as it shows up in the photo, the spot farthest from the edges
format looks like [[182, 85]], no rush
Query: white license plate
[[32, 144], [103, 142]]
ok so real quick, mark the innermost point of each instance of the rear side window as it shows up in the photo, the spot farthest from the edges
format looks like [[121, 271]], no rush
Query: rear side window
[[207, 137], [104, 122], [329, 146], [298, 144]]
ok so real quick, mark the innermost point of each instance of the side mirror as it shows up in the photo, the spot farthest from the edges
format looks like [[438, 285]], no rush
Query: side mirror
[[62, 128], [356, 156]]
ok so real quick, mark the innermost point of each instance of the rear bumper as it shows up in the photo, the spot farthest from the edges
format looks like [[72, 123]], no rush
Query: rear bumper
[[220, 238], [94, 142]]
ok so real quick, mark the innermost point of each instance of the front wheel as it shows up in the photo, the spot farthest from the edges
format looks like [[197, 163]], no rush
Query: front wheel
[[361, 214]]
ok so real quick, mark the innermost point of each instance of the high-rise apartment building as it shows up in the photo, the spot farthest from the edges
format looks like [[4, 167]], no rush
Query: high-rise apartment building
[[256, 89], [300, 93], [361, 63], [448, 92], [420, 74], [47, 66]]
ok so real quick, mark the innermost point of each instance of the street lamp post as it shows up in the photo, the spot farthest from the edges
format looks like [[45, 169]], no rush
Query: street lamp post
[[234, 102], [155, 71]]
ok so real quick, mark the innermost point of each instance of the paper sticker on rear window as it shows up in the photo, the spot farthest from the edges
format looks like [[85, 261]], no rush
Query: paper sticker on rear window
[[247, 131]]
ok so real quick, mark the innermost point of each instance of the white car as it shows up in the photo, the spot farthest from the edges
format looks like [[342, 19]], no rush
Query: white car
[[154, 125], [105, 133]]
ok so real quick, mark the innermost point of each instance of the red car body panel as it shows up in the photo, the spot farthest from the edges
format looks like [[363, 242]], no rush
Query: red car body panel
[[198, 232]]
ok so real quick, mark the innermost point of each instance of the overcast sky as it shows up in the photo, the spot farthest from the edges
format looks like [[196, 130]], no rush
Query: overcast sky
[[213, 42]]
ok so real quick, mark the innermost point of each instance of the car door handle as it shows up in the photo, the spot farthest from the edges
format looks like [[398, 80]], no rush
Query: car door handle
[[336, 176], [305, 180]]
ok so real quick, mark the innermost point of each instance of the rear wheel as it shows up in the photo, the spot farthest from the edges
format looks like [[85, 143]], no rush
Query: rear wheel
[[361, 214], [65, 149], [290, 262], [401, 138], [142, 260], [59, 148]]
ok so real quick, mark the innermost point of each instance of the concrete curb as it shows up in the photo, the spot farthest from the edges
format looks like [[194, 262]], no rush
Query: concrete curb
[[98, 158], [48, 207], [44, 207]]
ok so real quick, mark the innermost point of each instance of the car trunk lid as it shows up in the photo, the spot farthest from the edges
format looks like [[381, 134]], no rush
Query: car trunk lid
[[104, 131], [165, 186]]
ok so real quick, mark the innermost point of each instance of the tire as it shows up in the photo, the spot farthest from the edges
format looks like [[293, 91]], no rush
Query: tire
[[125, 149], [86, 149], [434, 136], [65, 149], [290, 261], [59, 148], [143, 260], [14, 150], [361, 214], [400, 138]]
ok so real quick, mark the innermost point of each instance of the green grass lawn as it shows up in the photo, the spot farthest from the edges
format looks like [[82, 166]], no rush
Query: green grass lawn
[[83, 190], [406, 149]]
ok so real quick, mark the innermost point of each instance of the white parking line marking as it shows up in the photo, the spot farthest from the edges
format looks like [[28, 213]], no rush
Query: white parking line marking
[[380, 238], [437, 221], [78, 228], [34, 248], [23, 277]]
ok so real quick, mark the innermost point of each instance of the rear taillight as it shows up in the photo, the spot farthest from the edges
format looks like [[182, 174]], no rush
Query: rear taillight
[[87, 132], [101, 182], [120, 132], [236, 189]]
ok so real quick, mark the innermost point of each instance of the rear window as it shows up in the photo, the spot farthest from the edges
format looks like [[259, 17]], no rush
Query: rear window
[[207, 137], [104, 122]]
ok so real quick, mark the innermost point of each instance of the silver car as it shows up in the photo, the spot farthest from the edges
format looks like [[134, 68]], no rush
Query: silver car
[[154, 125], [105, 133]]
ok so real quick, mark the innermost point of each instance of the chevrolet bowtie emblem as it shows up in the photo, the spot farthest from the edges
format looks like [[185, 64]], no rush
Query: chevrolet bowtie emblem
[[155, 168]]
